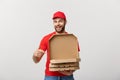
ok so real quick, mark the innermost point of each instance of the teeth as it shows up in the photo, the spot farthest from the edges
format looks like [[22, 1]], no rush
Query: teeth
[[58, 28]]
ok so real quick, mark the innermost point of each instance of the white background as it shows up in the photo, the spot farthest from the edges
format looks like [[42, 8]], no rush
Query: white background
[[95, 22]]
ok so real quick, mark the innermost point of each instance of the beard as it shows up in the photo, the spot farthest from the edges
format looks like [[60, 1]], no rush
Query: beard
[[60, 29]]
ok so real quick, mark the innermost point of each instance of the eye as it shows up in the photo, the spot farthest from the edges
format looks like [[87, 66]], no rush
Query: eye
[[54, 21], [61, 21]]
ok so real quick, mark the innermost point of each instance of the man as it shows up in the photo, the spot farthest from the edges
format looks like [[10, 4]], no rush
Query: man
[[59, 22]]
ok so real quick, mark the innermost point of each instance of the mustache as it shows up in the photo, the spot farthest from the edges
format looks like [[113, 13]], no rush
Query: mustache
[[58, 26]]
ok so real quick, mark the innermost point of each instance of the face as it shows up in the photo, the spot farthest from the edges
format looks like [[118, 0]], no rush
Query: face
[[59, 25]]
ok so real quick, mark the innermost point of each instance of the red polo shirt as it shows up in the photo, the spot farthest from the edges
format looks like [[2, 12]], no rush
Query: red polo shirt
[[44, 46]]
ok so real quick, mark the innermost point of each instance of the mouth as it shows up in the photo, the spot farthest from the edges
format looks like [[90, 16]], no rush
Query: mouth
[[58, 28]]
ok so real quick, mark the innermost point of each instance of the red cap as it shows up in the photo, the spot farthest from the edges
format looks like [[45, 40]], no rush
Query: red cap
[[59, 14]]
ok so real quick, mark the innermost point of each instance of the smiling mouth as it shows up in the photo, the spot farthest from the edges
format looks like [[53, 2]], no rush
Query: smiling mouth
[[58, 28]]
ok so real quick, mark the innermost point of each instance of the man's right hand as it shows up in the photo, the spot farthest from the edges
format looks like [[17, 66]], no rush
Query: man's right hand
[[37, 55]]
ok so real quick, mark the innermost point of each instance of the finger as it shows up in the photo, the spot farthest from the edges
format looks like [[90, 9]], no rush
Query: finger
[[38, 54]]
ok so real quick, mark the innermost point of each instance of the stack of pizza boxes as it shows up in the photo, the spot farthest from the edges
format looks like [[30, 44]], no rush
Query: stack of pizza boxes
[[64, 53]]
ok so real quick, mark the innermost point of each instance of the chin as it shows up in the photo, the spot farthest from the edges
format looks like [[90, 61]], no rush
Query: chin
[[59, 31]]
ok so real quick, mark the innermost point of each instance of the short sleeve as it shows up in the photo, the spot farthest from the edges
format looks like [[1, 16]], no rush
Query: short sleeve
[[78, 47], [43, 44]]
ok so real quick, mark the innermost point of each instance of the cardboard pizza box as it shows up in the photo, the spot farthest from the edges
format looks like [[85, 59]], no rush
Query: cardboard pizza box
[[64, 65], [55, 61], [63, 69], [63, 49]]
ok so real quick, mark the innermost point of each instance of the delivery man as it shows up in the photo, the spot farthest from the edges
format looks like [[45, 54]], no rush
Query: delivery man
[[59, 22]]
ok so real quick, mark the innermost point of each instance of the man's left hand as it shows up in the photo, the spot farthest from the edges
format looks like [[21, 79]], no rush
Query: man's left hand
[[68, 72]]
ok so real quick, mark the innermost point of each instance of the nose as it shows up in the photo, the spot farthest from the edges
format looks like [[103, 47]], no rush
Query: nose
[[57, 23]]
